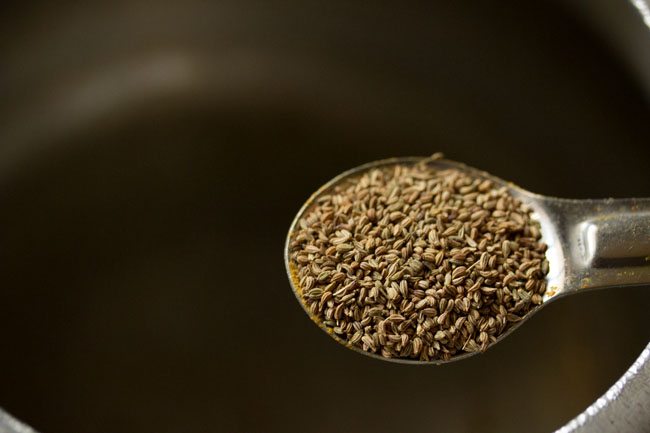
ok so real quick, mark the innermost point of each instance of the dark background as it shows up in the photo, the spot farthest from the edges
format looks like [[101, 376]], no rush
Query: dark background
[[152, 156]]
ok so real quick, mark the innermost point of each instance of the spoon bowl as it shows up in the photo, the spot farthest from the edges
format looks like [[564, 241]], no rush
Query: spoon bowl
[[591, 244]]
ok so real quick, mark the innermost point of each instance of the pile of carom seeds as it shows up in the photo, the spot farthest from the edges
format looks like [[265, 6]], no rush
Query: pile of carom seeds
[[408, 261]]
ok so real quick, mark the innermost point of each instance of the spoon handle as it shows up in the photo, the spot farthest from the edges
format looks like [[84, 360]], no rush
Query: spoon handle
[[606, 242]]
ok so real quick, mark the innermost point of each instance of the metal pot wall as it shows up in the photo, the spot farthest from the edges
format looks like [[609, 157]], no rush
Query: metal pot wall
[[152, 157]]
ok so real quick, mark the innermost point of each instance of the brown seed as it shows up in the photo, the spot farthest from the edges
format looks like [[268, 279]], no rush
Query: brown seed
[[459, 272], [429, 312], [392, 292]]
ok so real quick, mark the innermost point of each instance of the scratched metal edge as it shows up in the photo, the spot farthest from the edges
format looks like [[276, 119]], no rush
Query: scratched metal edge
[[9, 424], [600, 416]]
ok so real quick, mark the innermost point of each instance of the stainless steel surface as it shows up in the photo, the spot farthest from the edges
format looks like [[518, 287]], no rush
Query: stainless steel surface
[[592, 244], [125, 131]]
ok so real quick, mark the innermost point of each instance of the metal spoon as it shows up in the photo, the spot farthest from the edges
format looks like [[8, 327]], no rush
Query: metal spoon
[[592, 244]]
